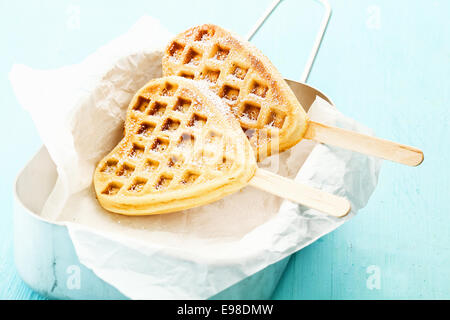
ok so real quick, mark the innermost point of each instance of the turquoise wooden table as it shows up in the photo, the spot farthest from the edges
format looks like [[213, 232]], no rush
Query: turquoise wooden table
[[384, 63]]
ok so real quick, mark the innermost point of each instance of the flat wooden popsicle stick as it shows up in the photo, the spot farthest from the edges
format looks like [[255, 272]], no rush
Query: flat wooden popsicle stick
[[299, 193], [364, 144]]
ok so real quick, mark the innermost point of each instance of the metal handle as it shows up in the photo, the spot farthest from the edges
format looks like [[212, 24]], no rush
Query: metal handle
[[317, 42]]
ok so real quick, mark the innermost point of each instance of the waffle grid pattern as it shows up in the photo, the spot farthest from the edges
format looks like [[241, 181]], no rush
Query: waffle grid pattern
[[169, 144], [204, 54]]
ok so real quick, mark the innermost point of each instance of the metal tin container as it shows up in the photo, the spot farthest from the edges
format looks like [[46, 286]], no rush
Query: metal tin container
[[45, 256]]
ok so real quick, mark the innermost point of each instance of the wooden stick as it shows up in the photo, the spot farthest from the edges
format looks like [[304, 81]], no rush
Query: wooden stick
[[299, 193], [364, 144]]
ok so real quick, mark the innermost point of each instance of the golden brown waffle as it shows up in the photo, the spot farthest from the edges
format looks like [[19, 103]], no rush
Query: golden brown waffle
[[182, 148], [246, 80]]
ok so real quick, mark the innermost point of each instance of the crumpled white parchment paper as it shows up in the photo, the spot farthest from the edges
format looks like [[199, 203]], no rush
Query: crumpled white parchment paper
[[194, 254]]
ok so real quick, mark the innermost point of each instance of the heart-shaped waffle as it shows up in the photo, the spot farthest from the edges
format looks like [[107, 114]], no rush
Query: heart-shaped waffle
[[245, 79], [182, 148]]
